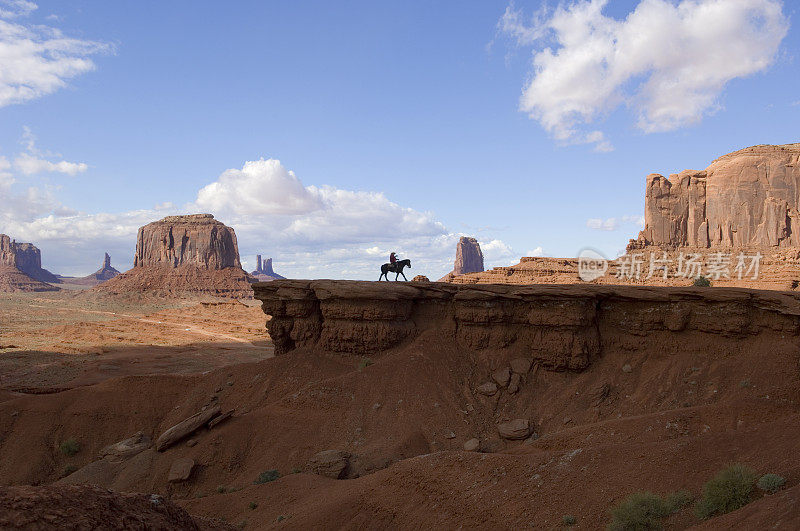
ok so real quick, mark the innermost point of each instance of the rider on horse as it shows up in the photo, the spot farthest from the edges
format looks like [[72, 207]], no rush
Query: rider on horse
[[392, 258]]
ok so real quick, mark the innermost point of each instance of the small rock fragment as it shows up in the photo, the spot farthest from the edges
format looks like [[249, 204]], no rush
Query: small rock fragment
[[329, 463], [180, 470], [514, 429], [126, 448], [221, 418], [191, 442], [488, 388], [472, 445], [185, 427], [567, 420], [521, 365], [513, 385], [502, 376], [450, 435], [627, 368]]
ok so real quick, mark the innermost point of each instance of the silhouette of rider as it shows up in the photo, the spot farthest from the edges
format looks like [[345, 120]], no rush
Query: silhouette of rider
[[392, 259]]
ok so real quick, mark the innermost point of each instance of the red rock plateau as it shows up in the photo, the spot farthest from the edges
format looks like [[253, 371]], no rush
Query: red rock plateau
[[469, 259], [184, 255], [569, 398], [745, 204], [263, 271], [21, 268]]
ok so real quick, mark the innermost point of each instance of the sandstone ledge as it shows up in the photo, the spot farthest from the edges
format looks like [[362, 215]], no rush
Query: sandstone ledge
[[559, 326]]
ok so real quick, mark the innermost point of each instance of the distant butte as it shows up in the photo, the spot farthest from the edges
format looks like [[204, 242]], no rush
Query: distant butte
[[184, 255], [263, 271], [21, 267]]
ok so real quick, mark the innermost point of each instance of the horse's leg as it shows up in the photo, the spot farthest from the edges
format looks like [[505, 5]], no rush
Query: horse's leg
[[404, 276]]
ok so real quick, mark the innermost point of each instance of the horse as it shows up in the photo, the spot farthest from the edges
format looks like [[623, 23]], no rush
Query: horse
[[396, 267]]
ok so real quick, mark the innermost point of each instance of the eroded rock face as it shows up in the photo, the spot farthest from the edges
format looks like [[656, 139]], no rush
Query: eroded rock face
[[194, 240], [469, 258], [559, 327], [748, 198], [26, 257]]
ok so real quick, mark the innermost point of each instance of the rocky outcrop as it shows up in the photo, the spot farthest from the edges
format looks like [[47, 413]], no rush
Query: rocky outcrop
[[184, 256], [107, 272], [26, 257], [263, 271], [469, 258], [196, 240], [748, 198], [559, 326], [21, 268]]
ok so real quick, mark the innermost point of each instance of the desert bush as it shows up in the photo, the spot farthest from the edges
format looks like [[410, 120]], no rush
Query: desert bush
[[770, 483], [364, 363], [70, 447], [727, 491], [645, 510], [296, 470], [568, 520], [701, 282], [252, 505], [69, 469], [744, 384], [267, 476], [222, 489]]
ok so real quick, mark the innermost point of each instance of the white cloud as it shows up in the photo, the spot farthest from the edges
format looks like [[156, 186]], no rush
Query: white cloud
[[611, 224], [16, 8], [37, 60], [667, 61], [33, 161], [536, 252], [29, 164]]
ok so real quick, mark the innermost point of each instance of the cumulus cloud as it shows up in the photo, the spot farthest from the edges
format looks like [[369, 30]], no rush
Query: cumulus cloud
[[668, 61], [611, 224], [37, 60], [538, 251]]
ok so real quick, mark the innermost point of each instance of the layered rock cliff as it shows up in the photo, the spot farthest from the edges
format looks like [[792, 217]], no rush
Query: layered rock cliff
[[193, 240], [559, 327], [748, 198]]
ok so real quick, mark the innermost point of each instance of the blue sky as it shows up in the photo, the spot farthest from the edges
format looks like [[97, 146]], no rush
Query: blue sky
[[398, 126]]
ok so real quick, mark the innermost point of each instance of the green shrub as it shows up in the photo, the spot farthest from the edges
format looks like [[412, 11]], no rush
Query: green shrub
[[727, 491], [70, 447], [701, 282], [222, 489], [267, 476], [744, 384], [296, 470], [252, 505], [568, 520], [69, 469], [364, 363], [770, 483], [645, 510]]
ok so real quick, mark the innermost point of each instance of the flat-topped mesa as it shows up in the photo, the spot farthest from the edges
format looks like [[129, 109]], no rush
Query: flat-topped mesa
[[747, 199], [558, 326], [197, 240]]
